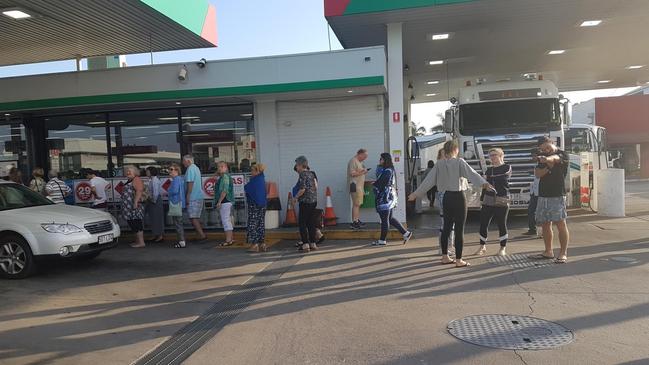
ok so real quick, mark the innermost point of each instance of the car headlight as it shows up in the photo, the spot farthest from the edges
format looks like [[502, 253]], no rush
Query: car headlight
[[61, 228]]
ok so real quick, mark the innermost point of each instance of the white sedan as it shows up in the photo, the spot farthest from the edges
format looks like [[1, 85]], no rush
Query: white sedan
[[33, 228]]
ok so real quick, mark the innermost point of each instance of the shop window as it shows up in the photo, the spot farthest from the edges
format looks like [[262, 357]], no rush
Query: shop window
[[224, 133], [143, 139], [75, 142], [13, 147]]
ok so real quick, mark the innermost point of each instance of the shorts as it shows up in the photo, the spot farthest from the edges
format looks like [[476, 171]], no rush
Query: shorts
[[357, 197], [551, 210], [226, 216], [195, 209], [136, 225]]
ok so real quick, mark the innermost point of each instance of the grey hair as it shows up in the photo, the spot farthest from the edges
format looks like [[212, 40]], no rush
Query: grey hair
[[135, 170], [302, 161], [53, 173], [189, 158]]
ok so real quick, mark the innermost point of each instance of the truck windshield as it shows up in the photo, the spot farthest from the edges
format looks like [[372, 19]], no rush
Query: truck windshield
[[510, 116]]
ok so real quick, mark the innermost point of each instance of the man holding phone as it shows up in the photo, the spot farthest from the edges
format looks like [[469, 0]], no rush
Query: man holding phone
[[356, 172]]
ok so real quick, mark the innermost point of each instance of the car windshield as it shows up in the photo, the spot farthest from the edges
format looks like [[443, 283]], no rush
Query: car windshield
[[14, 196], [512, 116]]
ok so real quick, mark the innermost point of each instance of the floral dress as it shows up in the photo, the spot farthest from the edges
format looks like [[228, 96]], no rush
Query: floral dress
[[128, 203]]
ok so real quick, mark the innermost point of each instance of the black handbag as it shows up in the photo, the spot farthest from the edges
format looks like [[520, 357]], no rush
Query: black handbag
[[352, 187]]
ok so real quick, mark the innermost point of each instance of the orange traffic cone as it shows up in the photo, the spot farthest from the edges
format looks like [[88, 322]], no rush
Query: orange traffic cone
[[330, 217], [291, 219], [271, 190]]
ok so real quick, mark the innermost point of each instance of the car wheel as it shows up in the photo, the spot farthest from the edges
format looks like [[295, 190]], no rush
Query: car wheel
[[87, 256], [16, 258]]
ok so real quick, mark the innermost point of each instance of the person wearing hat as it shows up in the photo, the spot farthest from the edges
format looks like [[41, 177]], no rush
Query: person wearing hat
[[307, 197]]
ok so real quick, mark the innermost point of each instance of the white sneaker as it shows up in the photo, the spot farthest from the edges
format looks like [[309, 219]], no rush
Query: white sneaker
[[379, 243], [502, 252], [406, 237]]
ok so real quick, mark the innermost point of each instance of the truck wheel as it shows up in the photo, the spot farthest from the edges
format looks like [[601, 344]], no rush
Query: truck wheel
[[16, 258]]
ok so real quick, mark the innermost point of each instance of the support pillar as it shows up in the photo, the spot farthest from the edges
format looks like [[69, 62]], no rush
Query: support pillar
[[396, 116]]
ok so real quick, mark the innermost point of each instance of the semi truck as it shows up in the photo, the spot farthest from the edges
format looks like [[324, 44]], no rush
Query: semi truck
[[511, 115]]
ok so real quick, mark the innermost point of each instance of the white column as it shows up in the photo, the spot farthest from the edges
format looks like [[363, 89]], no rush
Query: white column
[[395, 115], [267, 138]]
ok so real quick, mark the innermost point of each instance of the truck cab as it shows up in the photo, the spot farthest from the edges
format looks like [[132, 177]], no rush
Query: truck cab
[[509, 115]]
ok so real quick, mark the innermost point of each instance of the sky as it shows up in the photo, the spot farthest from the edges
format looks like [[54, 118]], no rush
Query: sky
[[253, 28]]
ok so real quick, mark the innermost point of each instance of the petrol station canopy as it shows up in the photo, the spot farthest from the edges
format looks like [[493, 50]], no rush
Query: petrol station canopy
[[48, 30], [578, 44]]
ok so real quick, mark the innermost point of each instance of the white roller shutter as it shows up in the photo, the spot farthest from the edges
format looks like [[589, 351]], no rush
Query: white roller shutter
[[329, 133]]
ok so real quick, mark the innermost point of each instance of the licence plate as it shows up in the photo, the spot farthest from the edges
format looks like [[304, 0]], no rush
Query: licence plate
[[105, 238]]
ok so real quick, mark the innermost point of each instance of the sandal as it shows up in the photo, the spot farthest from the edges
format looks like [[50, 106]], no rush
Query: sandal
[[263, 248], [179, 245], [447, 261], [481, 251], [462, 263], [226, 244], [305, 248], [253, 248], [540, 256], [561, 260], [137, 246]]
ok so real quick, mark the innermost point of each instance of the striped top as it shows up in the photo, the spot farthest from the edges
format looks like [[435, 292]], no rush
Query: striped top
[[57, 190]]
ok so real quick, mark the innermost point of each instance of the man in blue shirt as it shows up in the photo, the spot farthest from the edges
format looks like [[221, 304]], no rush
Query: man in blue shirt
[[194, 195]]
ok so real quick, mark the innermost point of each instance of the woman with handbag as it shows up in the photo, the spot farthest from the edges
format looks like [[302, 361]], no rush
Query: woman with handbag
[[448, 175], [132, 207], [495, 204], [154, 205], [256, 196], [176, 194], [385, 192]]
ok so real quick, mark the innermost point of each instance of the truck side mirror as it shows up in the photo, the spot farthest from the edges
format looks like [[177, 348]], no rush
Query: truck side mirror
[[449, 121], [602, 139]]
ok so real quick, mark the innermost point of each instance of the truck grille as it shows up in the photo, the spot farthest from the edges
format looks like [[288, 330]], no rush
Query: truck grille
[[99, 227], [518, 154]]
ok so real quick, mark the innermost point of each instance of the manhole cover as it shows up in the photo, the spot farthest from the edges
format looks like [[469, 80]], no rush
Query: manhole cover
[[518, 261], [623, 259], [398, 258], [510, 332]]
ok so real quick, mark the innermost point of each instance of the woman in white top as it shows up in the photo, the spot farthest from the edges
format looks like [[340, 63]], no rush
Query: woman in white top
[[448, 175]]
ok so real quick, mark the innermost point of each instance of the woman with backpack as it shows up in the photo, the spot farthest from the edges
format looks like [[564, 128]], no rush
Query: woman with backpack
[[385, 192]]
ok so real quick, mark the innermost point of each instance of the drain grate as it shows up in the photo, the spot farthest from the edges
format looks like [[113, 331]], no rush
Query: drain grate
[[194, 335], [510, 332], [518, 261]]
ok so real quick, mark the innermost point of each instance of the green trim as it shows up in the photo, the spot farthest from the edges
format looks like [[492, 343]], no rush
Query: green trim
[[192, 94], [188, 13], [375, 6]]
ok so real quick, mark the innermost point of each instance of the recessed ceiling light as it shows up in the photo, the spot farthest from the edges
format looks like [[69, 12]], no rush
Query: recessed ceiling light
[[439, 37], [432, 94], [246, 115], [590, 23], [178, 103], [557, 51], [603, 81], [436, 62], [433, 82], [16, 14], [7, 115], [634, 67], [350, 91]]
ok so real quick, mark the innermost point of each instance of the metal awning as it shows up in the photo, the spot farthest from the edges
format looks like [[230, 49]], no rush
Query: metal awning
[[69, 29], [503, 39]]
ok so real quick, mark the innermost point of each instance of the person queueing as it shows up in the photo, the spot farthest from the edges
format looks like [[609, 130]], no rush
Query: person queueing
[[56, 189], [37, 184], [385, 191], [177, 203], [307, 197], [223, 199], [495, 204], [257, 199], [132, 208], [154, 206], [440, 199], [447, 175]]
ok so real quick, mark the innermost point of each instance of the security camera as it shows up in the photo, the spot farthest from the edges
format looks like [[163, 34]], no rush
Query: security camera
[[201, 63], [182, 74]]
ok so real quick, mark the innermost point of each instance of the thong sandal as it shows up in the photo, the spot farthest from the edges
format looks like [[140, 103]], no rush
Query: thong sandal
[[226, 244], [561, 260], [540, 256], [451, 261], [462, 264]]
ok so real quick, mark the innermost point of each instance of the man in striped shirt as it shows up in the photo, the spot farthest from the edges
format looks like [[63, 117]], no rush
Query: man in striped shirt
[[56, 189]]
